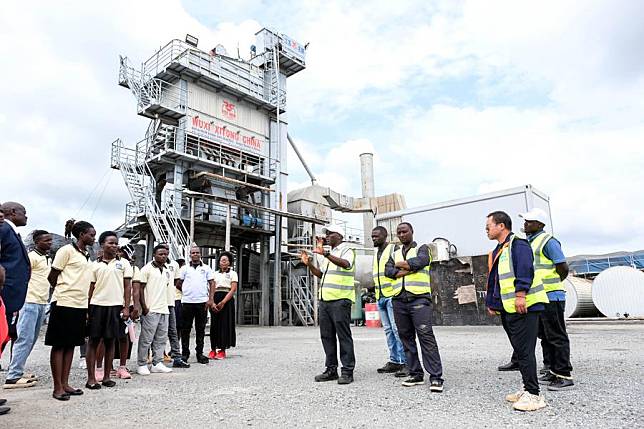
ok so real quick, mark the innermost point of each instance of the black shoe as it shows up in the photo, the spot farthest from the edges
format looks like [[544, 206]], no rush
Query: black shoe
[[3, 401], [345, 379], [185, 357], [4, 410], [545, 370], [512, 366], [390, 368], [547, 378], [436, 386], [202, 359], [415, 380], [402, 372], [180, 363], [561, 384], [329, 374]]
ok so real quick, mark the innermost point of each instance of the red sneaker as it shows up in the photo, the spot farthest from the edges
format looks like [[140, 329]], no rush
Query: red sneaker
[[212, 355], [221, 354]]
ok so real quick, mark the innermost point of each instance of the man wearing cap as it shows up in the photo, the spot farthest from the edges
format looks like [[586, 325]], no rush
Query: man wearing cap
[[336, 294], [551, 269]]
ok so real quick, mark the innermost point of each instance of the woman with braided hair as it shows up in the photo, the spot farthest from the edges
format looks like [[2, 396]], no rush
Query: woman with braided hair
[[70, 276]]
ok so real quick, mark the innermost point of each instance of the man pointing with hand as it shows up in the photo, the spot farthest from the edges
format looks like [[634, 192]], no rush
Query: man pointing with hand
[[336, 294]]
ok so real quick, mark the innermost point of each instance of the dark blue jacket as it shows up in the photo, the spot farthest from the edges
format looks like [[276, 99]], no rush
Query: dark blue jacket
[[523, 264], [14, 259]]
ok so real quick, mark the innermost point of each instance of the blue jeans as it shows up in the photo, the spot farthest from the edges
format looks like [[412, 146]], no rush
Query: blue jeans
[[396, 351], [29, 323]]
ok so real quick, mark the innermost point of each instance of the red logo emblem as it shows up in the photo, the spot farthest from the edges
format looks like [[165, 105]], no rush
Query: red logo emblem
[[228, 110]]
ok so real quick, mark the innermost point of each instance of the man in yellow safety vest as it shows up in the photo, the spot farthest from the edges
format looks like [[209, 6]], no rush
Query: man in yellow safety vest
[[384, 292], [551, 268], [336, 294], [514, 293], [408, 266]]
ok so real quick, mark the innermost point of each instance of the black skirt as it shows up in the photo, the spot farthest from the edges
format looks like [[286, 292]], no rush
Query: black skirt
[[67, 326], [222, 325], [105, 322]]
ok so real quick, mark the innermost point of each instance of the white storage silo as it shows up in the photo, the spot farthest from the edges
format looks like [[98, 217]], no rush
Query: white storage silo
[[619, 292]]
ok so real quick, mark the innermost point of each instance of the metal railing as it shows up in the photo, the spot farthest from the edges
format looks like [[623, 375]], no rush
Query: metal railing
[[301, 298], [165, 139], [242, 76], [164, 221], [151, 92], [216, 212]]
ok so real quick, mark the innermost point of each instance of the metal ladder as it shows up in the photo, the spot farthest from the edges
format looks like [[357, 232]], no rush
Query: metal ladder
[[302, 299], [165, 220]]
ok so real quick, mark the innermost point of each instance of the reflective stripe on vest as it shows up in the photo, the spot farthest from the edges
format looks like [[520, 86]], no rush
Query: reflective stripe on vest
[[544, 268], [417, 283], [505, 268], [337, 283], [383, 283]]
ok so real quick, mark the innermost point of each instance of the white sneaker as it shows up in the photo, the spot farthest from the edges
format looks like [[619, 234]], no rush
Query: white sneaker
[[514, 397], [143, 370], [160, 368], [530, 402], [82, 363]]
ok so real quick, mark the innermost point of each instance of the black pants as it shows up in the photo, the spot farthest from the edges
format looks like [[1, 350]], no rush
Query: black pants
[[554, 338], [335, 326], [414, 317], [198, 313], [522, 330]]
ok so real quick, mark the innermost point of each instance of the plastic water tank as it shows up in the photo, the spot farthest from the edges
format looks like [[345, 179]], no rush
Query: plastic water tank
[[579, 300], [619, 292]]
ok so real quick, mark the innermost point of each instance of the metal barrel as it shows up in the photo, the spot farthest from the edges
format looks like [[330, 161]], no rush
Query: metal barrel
[[579, 300]]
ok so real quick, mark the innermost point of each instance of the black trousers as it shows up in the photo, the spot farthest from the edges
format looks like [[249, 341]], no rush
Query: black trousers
[[414, 317], [522, 330], [335, 326], [198, 314], [554, 338]]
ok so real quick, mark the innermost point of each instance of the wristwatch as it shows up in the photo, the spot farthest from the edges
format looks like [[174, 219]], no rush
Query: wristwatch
[[326, 253]]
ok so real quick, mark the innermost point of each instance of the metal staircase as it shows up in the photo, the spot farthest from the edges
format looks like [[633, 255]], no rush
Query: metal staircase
[[155, 98], [165, 220], [301, 299]]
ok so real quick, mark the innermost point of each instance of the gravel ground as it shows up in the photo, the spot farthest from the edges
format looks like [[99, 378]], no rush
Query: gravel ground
[[268, 382]]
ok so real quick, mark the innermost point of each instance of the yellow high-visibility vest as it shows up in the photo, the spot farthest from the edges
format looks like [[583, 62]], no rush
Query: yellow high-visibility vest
[[544, 268], [505, 268], [417, 283], [384, 285], [337, 282]]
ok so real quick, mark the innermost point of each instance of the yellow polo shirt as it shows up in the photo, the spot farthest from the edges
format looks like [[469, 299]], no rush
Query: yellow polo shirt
[[108, 278], [38, 289], [155, 292], [72, 287], [223, 281], [176, 293]]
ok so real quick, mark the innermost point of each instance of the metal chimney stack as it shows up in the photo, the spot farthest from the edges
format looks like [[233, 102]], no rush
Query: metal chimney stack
[[366, 177]]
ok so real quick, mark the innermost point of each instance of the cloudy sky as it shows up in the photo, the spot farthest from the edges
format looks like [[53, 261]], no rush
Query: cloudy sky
[[455, 98]]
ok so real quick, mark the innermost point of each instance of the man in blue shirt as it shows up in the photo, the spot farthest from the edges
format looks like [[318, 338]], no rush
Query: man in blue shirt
[[552, 324]]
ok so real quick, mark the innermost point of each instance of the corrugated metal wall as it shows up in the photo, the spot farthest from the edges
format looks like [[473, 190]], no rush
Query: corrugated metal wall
[[228, 109]]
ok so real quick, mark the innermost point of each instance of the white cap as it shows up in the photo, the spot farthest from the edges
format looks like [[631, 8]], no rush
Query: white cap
[[535, 214], [332, 228]]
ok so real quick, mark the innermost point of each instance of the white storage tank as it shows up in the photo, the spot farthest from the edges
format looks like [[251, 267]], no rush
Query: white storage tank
[[619, 292], [579, 299]]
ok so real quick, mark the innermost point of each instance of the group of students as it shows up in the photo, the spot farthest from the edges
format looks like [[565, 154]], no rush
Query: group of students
[[95, 304], [524, 287]]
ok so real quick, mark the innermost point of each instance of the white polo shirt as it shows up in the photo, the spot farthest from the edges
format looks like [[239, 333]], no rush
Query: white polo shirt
[[195, 283]]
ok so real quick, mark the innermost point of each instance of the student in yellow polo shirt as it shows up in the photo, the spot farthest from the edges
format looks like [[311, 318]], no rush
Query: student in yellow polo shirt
[[109, 299], [32, 313], [70, 277], [151, 301]]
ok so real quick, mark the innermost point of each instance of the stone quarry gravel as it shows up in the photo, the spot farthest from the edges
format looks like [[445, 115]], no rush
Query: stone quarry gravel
[[267, 381]]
